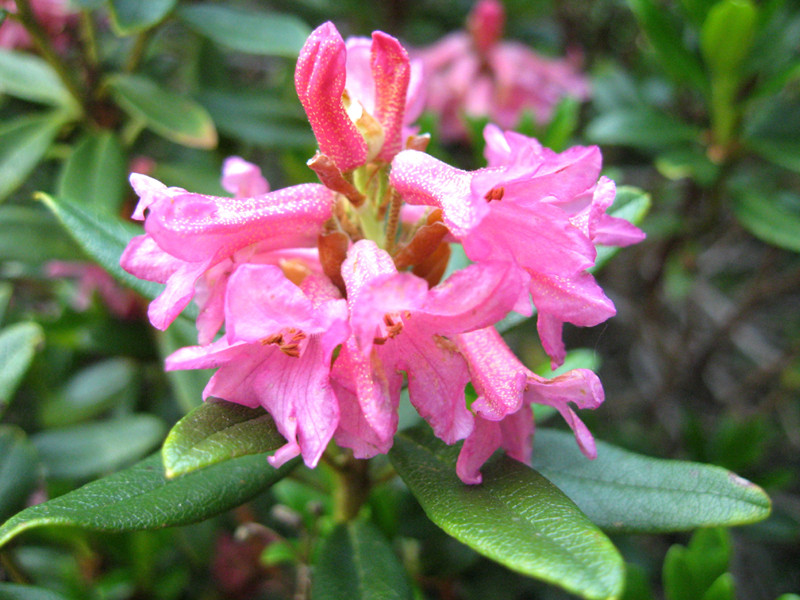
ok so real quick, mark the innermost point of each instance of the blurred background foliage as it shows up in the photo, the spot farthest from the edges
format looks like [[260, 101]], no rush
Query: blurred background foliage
[[695, 101]]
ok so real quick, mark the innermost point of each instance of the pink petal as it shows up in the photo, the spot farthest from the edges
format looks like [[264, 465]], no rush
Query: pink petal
[[243, 179], [176, 295], [391, 71], [550, 331], [320, 81], [143, 258], [478, 447], [150, 191], [576, 299]]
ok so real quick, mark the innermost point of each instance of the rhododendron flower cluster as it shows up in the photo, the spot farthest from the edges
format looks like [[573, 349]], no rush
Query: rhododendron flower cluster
[[474, 74], [319, 302]]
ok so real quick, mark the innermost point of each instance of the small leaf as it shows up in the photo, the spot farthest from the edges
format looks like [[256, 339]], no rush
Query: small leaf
[[102, 237], [17, 469], [678, 584], [89, 393], [515, 517], [641, 128], [95, 174], [23, 143], [727, 35], [623, 491], [169, 114], [218, 431], [82, 451], [247, 30], [15, 591], [774, 219], [25, 75], [133, 16], [357, 563], [722, 589], [18, 344], [142, 498]]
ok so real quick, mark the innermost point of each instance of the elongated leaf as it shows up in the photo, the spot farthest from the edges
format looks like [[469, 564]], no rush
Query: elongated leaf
[[641, 128], [17, 347], [515, 517], [727, 35], [623, 491], [15, 591], [247, 30], [25, 75], [102, 237], [169, 114], [782, 152], [82, 451], [6, 290], [32, 235], [133, 16], [662, 32], [218, 431], [95, 174], [770, 219], [23, 143], [17, 469], [142, 498], [357, 563]]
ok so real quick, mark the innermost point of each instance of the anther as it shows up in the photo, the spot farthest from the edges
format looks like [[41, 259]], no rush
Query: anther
[[496, 193]]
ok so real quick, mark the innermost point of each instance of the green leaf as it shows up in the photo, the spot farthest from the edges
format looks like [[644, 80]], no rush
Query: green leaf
[[623, 491], [18, 344], [774, 219], [218, 431], [102, 237], [641, 127], [678, 584], [25, 75], [722, 589], [247, 30], [89, 393], [141, 497], [17, 469], [15, 591], [727, 35], [515, 517], [95, 174], [23, 143], [6, 291], [357, 563], [133, 16], [169, 114], [679, 62], [82, 451], [782, 152], [562, 125], [30, 234]]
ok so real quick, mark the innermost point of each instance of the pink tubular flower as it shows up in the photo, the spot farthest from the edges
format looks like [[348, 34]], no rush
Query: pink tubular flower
[[506, 390], [359, 96], [121, 302], [475, 74], [399, 325], [537, 209], [190, 234], [277, 353]]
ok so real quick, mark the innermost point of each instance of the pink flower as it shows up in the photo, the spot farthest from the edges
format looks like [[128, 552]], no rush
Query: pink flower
[[121, 302], [52, 15], [506, 390], [539, 210], [188, 235], [359, 96], [398, 324], [477, 75], [277, 353]]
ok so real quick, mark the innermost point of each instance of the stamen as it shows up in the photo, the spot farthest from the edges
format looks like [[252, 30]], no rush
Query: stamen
[[496, 193]]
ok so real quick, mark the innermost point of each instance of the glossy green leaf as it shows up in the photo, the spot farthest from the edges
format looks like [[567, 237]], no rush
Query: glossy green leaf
[[661, 30], [25, 75], [18, 472], [515, 517], [18, 345], [15, 591], [727, 35], [133, 16], [82, 451], [23, 143], [356, 562], [172, 115], [774, 219], [247, 30], [218, 431], [88, 393], [141, 497], [95, 174], [103, 237], [640, 127], [623, 491]]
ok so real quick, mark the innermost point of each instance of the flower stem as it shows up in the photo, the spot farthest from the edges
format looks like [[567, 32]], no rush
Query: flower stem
[[353, 487], [27, 19], [393, 220], [137, 52]]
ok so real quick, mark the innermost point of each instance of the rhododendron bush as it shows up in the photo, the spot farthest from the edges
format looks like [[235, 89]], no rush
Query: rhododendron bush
[[334, 345]]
